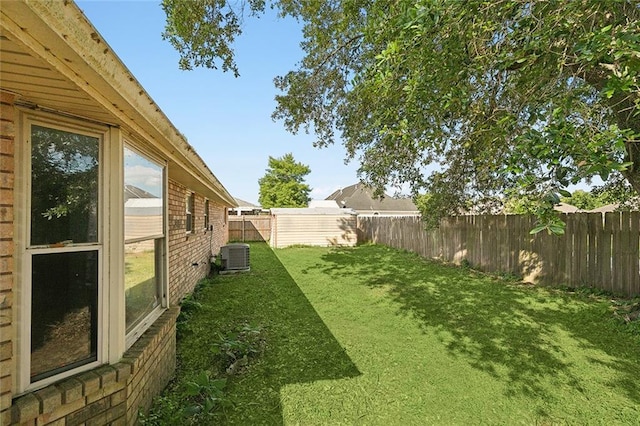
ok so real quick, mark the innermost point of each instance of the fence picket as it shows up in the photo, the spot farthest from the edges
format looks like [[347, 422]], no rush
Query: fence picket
[[580, 247], [249, 228], [622, 263], [612, 225], [594, 230]]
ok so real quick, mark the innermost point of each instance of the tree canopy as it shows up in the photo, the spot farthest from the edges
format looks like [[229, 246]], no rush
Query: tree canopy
[[583, 200], [464, 100], [283, 183]]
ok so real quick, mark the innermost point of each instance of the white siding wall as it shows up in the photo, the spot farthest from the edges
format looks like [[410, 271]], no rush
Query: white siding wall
[[142, 226], [313, 230]]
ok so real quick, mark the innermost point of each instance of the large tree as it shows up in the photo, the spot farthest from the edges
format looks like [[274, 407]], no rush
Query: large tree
[[283, 183], [496, 97]]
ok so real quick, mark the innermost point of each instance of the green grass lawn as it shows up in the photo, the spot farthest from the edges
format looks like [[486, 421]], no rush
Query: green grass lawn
[[371, 335]]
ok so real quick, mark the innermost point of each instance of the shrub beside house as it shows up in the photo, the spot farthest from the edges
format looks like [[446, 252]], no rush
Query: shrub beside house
[[108, 218]]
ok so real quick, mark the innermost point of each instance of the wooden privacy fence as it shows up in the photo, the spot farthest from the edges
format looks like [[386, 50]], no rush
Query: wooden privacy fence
[[249, 228], [600, 251]]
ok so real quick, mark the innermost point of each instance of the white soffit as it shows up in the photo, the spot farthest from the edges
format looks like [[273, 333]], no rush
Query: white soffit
[[52, 56]]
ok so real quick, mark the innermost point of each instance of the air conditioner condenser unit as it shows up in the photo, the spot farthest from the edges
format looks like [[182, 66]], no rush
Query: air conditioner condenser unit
[[235, 257]]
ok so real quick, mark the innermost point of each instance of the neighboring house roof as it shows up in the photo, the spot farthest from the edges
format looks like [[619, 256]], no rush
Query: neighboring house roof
[[565, 208], [245, 204], [360, 197], [131, 191], [54, 44], [606, 208], [336, 211], [323, 203]]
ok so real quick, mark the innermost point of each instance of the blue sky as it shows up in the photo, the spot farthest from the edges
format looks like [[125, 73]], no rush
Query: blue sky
[[226, 119]]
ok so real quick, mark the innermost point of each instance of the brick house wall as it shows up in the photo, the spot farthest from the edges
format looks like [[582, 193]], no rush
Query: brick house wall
[[108, 395], [189, 253], [7, 134], [111, 394]]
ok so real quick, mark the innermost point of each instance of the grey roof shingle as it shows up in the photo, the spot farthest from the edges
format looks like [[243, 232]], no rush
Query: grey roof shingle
[[360, 197], [131, 191]]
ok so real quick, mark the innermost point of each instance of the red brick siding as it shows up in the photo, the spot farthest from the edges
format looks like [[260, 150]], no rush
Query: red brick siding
[[189, 253], [7, 164]]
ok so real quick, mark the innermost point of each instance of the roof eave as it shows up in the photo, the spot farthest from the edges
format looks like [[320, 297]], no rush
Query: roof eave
[[60, 34]]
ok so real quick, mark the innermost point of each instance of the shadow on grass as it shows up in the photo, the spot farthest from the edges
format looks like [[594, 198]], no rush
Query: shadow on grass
[[504, 330], [299, 346]]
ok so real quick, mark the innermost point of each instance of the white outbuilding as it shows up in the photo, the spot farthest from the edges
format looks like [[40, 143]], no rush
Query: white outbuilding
[[319, 226]]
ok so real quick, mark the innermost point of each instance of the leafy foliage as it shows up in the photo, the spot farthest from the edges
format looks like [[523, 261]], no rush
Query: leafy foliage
[[283, 184], [236, 347], [615, 191], [583, 200], [627, 311], [618, 190], [202, 31], [469, 99], [165, 410], [199, 396], [194, 401], [207, 391], [524, 203], [188, 306]]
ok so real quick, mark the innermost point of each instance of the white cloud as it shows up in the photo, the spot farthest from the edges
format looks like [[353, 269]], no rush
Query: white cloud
[[147, 178]]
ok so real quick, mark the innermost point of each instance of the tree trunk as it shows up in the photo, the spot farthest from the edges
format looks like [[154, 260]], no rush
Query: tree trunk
[[625, 107], [632, 174]]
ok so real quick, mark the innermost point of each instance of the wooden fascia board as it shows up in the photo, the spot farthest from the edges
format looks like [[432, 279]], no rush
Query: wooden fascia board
[[60, 34]]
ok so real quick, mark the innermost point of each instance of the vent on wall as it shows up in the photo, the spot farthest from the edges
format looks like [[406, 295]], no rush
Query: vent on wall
[[235, 257]]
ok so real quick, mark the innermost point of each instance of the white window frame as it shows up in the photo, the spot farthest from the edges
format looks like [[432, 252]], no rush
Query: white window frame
[[190, 206], [206, 217], [141, 327], [112, 339], [24, 250]]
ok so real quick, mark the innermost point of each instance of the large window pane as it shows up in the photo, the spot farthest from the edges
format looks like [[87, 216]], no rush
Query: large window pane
[[64, 187], [143, 196], [142, 280], [144, 238], [189, 211], [63, 312]]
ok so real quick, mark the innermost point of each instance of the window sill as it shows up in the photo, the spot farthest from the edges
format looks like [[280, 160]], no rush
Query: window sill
[[139, 330]]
